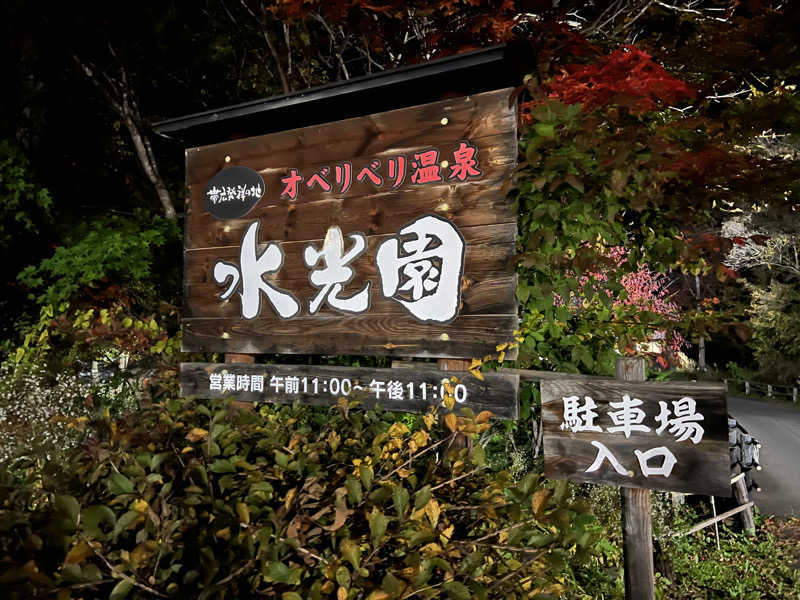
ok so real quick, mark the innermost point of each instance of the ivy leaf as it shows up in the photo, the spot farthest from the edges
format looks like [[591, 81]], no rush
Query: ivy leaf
[[118, 484], [93, 516], [366, 473], [377, 525], [351, 552], [277, 571], [433, 511], [392, 586], [69, 507], [281, 459], [421, 497], [354, 491], [121, 590], [457, 590], [544, 129], [400, 497], [222, 465], [197, 434]]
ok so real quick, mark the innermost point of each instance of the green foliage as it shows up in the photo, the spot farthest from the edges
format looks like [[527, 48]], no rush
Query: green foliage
[[592, 209], [22, 201], [749, 567], [775, 321], [203, 501], [120, 249], [38, 411]]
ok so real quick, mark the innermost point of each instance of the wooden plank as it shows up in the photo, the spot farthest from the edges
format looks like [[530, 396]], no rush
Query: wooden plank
[[491, 296], [466, 337], [497, 392], [398, 131], [536, 376], [490, 248], [482, 127], [701, 468], [465, 205], [703, 524]]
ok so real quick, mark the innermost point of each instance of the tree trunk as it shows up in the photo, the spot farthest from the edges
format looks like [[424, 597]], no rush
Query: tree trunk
[[701, 347], [145, 155]]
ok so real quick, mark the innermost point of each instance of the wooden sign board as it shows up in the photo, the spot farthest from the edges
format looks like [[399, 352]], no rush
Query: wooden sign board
[[389, 234], [663, 436], [406, 390]]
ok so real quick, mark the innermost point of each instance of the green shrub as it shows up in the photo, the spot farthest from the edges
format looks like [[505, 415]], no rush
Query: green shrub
[[121, 249], [38, 411], [205, 501]]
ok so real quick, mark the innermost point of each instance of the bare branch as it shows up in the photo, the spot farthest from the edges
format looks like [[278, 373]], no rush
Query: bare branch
[[122, 100], [284, 81]]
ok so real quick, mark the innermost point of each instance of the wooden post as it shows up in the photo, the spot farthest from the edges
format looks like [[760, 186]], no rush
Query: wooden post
[[742, 497], [461, 441], [241, 359], [637, 527], [794, 394]]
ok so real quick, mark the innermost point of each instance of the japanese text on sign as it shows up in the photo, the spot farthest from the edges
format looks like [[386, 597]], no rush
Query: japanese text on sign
[[423, 168], [420, 268], [681, 420], [289, 385], [669, 436], [407, 390]]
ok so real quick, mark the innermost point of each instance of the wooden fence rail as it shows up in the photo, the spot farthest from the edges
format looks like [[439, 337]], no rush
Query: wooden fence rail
[[752, 387]]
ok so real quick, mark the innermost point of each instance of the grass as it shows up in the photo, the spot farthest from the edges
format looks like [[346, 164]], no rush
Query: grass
[[763, 566]]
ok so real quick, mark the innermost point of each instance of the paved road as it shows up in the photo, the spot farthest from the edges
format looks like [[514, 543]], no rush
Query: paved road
[[777, 427]]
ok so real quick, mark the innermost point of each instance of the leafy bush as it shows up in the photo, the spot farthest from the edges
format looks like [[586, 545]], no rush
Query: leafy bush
[[775, 320], [38, 413], [110, 247], [204, 501], [752, 567], [22, 201]]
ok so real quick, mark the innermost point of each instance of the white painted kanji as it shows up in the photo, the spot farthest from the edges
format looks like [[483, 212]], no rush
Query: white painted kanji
[[249, 275], [603, 453], [257, 383], [228, 382], [666, 466], [276, 383], [684, 424], [427, 268], [243, 383], [628, 418], [292, 384], [577, 416], [331, 278], [394, 390], [215, 382], [377, 387]]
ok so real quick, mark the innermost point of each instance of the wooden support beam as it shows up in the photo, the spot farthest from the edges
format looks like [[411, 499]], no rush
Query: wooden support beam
[[637, 527], [241, 359], [461, 441], [742, 497], [718, 518]]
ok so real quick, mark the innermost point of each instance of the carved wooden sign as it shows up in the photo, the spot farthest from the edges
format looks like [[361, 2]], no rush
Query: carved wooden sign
[[405, 390], [389, 234], [664, 436]]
